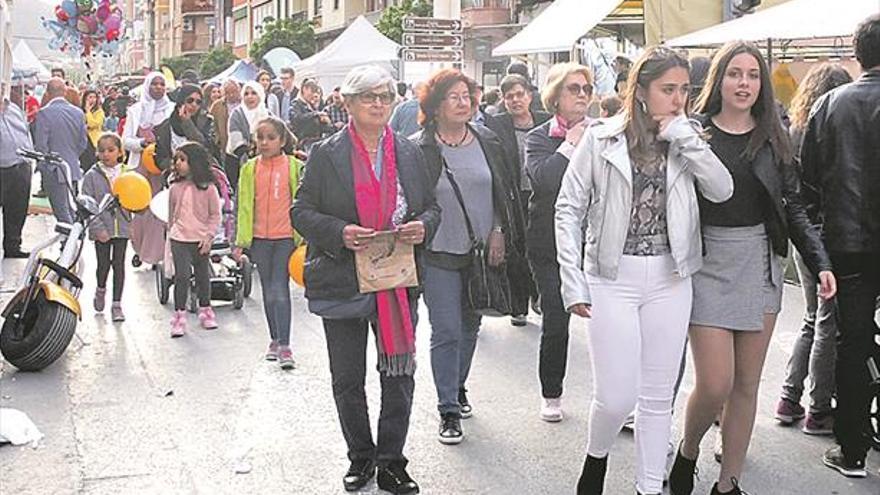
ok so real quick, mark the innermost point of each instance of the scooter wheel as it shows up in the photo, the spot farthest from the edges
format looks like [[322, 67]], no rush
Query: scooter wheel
[[247, 275], [48, 328]]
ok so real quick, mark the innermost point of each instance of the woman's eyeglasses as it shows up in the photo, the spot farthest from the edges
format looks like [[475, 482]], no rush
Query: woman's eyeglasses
[[191, 100], [575, 89], [462, 98], [370, 98]]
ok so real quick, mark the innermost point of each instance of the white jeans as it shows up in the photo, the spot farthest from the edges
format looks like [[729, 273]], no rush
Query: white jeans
[[637, 336]]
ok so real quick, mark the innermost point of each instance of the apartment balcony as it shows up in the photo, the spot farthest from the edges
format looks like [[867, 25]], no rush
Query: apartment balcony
[[191, 43], [195, 7], [477, 13]]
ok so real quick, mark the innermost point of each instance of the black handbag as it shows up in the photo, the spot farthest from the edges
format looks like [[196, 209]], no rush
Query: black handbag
[[487, 288]]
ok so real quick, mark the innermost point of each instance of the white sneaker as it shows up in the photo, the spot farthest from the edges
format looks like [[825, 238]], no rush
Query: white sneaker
[[719, 445], [551, 410], [630, 423]]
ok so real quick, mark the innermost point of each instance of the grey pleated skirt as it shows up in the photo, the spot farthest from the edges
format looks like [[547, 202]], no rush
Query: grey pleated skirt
[[741, 279]]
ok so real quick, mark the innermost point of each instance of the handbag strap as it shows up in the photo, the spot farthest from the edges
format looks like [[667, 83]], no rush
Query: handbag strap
[[457, 191]]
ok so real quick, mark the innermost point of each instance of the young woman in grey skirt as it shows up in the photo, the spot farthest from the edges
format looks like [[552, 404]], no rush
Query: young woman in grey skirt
[[738, 292], [633, 178]]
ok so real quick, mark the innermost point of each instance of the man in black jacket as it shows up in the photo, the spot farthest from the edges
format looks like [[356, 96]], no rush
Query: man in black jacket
[[840, 164], [511, 127], [307, 122]]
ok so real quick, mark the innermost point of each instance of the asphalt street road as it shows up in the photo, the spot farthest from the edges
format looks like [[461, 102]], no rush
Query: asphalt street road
[[129, 410]]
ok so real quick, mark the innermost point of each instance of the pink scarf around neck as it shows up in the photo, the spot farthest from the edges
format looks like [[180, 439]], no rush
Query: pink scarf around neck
[[376, 200]]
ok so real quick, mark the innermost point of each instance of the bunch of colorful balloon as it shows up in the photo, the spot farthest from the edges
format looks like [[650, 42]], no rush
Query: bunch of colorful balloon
[[86, 27]]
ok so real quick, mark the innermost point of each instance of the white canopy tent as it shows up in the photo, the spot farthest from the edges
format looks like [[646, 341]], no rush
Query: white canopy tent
[[804, 22], [558, 27], [5, 49], [359, 44], [26, 67]]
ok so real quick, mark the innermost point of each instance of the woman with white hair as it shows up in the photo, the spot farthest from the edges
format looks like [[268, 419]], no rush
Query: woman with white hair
[[360, 181], [154, 107]]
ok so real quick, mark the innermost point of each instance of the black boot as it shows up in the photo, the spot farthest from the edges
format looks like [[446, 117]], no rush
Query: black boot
[[592, 480], [736, 490], [681, 477]]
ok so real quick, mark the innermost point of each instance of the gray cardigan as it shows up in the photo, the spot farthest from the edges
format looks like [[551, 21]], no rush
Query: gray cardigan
[[96, 184]]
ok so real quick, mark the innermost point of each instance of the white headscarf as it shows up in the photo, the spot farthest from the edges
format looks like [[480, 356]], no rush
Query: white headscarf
[[258, 113], [153, 111]]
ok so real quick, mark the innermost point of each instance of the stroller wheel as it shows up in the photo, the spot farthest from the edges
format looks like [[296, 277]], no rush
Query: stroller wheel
[[136, 261], [247, 276]]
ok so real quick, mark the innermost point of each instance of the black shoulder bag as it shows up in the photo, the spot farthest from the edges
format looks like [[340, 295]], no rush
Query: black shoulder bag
[[487, 288]]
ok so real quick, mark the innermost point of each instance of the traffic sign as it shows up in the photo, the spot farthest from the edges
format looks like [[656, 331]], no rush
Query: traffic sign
[[420, 55], [430, 24], [433, 40]]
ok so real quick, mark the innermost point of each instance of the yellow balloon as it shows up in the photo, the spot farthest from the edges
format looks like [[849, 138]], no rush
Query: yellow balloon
[[133, 191], [148, 158], [296, 265]]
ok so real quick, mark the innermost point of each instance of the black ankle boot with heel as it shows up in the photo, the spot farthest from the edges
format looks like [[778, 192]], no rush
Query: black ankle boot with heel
[[592, 480]]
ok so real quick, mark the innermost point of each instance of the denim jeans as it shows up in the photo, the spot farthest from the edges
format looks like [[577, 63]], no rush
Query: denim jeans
[[454, 330], [347, 347], [858, 286], [553, 353], [814, 351], [271, 256]]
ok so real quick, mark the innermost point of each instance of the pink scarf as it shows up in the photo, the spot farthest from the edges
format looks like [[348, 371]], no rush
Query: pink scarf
[[559, 126], [376, 201]]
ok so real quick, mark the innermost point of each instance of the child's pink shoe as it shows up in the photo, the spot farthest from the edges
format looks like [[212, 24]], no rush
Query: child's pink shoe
[[178, 324], [207, 318]]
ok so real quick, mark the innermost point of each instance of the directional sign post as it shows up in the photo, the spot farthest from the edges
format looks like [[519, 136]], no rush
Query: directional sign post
[[428, 55], [433, 40], [431, 24]]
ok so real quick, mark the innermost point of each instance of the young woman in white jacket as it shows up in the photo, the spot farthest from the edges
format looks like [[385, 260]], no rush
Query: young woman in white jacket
[[631, 180]]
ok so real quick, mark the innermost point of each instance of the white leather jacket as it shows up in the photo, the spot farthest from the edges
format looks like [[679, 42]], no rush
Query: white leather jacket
[[597, 186]]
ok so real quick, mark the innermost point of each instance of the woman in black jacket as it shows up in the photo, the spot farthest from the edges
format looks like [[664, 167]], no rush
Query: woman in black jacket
[[738, 291], [548, 149], [474, 157], [188, 122], [362, 180]]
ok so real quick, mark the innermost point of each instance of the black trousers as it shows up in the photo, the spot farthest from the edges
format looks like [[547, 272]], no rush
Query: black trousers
[[15, 192], [111, 253], [553, 354], [232, 166], [858, 286], [347, 347], [187, 260]]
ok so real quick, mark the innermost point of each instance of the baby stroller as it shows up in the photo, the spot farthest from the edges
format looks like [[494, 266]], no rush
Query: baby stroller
[[230, 280]]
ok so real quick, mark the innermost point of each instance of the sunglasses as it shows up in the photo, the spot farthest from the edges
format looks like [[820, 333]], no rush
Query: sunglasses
[[369, 98], [192, 100], [575, 89]]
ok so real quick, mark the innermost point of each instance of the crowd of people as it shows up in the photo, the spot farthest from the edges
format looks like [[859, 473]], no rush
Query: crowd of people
[[661, 211]]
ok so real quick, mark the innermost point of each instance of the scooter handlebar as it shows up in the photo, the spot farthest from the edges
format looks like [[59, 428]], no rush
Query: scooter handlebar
[[50, 157]]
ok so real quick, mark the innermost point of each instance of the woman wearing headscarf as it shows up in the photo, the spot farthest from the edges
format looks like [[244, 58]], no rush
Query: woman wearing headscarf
[[244, 119], [188, 122], [153, 108]]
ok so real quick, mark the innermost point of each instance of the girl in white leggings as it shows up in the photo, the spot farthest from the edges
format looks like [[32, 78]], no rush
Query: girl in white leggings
[[632, 179]]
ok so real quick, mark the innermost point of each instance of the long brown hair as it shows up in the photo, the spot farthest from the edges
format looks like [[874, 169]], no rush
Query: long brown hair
[[819, 80], [768, 124], [638, 124]]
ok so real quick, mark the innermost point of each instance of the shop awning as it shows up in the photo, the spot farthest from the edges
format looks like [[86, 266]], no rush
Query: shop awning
[[558, 27], [792, 20]]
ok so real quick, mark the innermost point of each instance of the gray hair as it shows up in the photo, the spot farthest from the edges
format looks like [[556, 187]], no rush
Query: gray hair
[[364, 78]]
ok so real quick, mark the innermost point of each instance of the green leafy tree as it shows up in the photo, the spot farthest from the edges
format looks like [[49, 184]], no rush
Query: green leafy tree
[[298, 35], [180, 64], [391, 22], [216, 61]]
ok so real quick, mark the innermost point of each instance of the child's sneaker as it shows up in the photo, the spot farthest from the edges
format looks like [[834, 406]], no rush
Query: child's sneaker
[[116, 312], [819, 424], [272, 351], [207, 318], [789, 411], [178, 324], [99, 299], [285, 357]]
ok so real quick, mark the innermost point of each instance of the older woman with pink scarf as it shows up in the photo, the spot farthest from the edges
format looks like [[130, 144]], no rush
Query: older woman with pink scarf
[[362, 180], [147, 231]]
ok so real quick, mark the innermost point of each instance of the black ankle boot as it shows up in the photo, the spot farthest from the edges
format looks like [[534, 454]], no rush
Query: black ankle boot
[[681, 477], [736, 490], [592, 480]]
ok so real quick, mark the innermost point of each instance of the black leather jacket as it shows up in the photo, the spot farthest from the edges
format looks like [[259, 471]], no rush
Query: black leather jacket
[[325, 204], [502, 124], [788, 218], [840, 160], [198, 128]]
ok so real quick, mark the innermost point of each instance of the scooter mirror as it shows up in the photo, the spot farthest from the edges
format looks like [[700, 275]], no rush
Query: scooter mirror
[[88, 203]]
